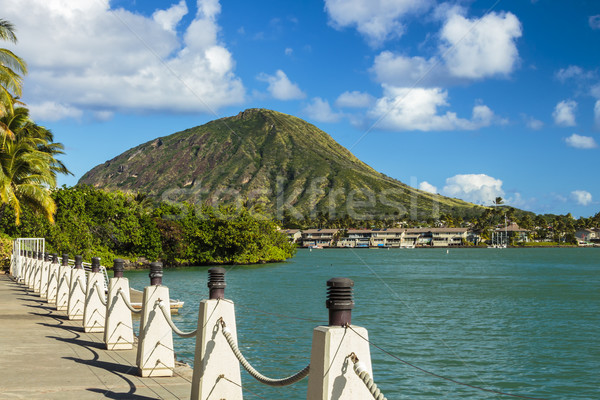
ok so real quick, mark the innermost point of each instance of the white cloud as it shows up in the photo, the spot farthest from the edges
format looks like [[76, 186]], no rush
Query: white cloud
[[597, 114], [288, 51], [594, 21], [321, 111], [354, 99], [417, 109], [427, 187], [564, 113], [582, 197], [280, 87], [377, 20], [51, 111], [87, 56], [478, 48], [571, 72], [170, 18], [581, 142], [399, 70], [475, 188], [532, 123]]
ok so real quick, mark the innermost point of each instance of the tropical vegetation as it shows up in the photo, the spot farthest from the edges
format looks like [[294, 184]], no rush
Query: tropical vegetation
[[98, 223], [28, 163]]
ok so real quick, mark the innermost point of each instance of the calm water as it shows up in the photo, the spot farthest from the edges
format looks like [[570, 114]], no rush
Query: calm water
[[523, 321]]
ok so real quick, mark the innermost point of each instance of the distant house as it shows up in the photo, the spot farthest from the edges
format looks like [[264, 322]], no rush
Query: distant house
[[318, 237], [356, 238], [587, 235], [516, 233], [436, 237], [293, 235]]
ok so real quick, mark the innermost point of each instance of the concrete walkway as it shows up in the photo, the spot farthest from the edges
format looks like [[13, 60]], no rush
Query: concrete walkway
[[43, 355]]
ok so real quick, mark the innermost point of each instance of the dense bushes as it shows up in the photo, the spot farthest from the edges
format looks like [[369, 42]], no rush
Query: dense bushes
[[96, 223]]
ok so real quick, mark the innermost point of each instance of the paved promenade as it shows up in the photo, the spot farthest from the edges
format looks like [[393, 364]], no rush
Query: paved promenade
[[43, 355]]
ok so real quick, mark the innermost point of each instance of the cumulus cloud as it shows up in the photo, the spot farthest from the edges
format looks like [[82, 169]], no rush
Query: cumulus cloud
[[417, 109], [594, 21], [475, 188], [51, 111], [170, 18], [427, 187], [478, 48], [581, 197], [532, 123], [86, 56], [280, 86], [354, 99], [581, 142], [320, 110], [400, 70], [377, 20], [572, 72], [564, 113]]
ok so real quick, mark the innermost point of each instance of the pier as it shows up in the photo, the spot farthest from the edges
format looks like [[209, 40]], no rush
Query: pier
[[69, 333], [44, 355]]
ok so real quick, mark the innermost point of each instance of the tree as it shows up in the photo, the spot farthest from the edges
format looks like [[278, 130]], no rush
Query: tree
[[11, 69], [28, 166]]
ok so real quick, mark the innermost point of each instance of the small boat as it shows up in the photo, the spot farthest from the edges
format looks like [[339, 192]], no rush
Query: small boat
[[315, 246], [136, 296]]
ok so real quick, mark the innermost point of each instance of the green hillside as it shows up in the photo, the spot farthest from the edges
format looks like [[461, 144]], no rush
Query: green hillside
[[265, 157]]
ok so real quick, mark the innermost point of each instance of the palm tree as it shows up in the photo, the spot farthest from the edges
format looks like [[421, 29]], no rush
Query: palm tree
[[28, 166], [11, 69]]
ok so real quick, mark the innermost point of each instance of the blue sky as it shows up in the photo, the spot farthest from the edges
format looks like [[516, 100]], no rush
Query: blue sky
[[471, 99]]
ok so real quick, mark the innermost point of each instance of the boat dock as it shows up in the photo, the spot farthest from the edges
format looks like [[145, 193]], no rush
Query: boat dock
[[44, 355]]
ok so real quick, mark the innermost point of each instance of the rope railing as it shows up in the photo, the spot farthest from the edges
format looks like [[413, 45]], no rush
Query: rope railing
[[127, 303], [361, 370], [253, 372], [81, 285], [100, 292], [167, 314]]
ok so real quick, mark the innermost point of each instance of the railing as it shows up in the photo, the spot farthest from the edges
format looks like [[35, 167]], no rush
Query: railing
[[217, 355]]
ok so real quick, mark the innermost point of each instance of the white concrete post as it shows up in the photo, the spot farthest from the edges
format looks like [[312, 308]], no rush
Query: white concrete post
[[76, 292], [31, 269], [94, 312], [118, 327], [44, 277], [155, 356], [331, 371], [37, 279], [52, 280], [64, 284], [213, 356]]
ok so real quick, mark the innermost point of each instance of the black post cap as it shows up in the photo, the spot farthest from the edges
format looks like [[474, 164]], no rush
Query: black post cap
[[339, 301], [118, 267], [65, 260], [156, 273], [216, 283], [95, 264], [40, 256], [55, 258], [79, 262]]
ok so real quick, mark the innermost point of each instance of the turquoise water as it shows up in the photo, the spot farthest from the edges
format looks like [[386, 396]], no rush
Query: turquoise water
[[523, 321]]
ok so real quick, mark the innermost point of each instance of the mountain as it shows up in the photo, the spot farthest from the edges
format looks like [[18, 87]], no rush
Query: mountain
[[262, 156]]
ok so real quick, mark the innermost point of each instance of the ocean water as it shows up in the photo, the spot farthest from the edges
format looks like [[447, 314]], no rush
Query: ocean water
[[520, 321]]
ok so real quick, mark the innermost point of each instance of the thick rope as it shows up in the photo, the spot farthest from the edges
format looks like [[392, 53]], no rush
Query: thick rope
[[362, 373], [100, 292], [167, 314], [127, 303], [257, 375], [80, 285]]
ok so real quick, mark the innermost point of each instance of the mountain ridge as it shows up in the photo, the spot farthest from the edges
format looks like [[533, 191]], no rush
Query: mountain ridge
[[262, 156]]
